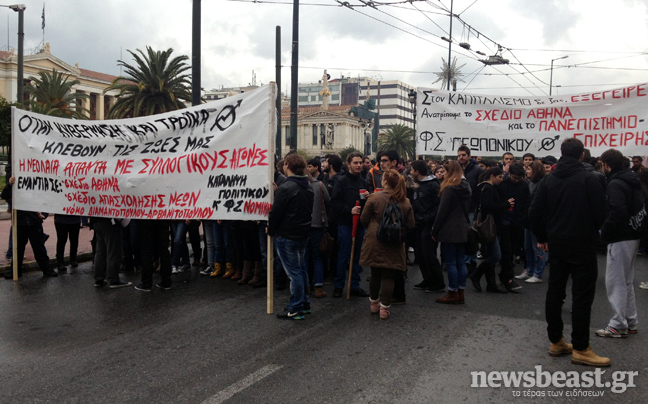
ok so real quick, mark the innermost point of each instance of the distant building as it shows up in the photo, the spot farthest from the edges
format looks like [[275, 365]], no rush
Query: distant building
[[91, 82], [391, 96]]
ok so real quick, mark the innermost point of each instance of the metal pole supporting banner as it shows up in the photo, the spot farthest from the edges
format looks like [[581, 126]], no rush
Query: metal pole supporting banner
[[278, 78], [294, 77], [195, 54]]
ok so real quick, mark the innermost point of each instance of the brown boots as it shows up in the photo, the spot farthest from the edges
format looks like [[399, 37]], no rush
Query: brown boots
[[452, 298], [258, 270], [229, 270], [588, 357], [247, 273]]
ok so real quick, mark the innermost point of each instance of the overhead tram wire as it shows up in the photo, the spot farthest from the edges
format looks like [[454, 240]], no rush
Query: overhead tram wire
[[471, 4], [432, 21], [474, 74], [513, 80], [525, 68], [526, 77]]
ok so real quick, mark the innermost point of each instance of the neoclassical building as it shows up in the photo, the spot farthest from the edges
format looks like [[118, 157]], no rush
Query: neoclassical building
[[91, 82], [321, 131]]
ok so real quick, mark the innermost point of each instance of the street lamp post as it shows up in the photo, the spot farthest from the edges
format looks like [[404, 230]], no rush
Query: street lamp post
[[20, 9], [412, 100], [551, 74]]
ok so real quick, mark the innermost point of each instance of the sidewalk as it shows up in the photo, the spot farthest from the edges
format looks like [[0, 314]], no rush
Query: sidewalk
[[84, 252]]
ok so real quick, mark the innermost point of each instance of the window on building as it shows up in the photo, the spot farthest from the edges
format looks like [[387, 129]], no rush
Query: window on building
[[303, 98], [335, 97]]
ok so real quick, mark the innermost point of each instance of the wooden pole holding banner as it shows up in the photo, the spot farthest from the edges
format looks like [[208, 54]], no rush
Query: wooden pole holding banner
[[14, 243], [354, 230], [270, 275], [274, 131]]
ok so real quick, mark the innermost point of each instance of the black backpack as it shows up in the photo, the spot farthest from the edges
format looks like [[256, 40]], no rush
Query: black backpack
[[392, 226]]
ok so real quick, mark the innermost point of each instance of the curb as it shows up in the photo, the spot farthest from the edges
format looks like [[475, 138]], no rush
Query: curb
[[29, 266]]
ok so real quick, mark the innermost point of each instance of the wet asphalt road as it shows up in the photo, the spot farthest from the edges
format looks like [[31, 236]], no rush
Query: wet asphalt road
[[211, 341]]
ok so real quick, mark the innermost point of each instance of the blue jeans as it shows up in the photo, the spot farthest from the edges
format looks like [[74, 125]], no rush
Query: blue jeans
[[536, 259], [454, 254], [292, 254], [344, 255], [218, 239], [180, 249], [313, 254]]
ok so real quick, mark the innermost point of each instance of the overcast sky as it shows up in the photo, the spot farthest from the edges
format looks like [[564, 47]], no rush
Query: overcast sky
[[605, 40]]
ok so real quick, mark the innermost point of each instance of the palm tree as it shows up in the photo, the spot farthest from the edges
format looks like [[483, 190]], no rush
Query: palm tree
[[155, 85], [400, 138], [51, 94]]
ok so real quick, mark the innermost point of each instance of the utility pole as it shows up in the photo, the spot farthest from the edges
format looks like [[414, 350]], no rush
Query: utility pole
[[294, 77], [450, 46]]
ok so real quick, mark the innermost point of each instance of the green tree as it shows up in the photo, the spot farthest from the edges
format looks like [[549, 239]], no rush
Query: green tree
[[346, 151], [51, 94], [400, 138], [5, 121], [155, 84]]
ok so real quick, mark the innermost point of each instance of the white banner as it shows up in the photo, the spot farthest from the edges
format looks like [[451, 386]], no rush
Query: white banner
[[492, 125], [212, 161]]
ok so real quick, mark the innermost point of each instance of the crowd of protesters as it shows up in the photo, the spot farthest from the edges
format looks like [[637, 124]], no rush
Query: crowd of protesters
[[564, 210]]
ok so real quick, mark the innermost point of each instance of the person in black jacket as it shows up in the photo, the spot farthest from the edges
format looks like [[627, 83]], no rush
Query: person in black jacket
[[622, 230], [289, 221], [29, 228], [490, 203], [511, 232], [472, 171], [566, 214], [425, 201], [346, 192]]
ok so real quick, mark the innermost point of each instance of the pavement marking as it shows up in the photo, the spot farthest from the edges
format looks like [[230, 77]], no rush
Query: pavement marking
[[242, 384]]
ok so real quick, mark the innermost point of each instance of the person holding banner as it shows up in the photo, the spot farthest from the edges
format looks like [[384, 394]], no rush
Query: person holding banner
[[29, 226], [289, 221]]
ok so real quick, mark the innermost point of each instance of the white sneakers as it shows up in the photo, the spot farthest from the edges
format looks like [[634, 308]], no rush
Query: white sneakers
[[523, 276], [643, 285], [533, 279]]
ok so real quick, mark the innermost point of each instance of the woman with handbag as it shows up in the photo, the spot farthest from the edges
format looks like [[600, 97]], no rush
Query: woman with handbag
[[490, 205], [384, 258], [451, 230]]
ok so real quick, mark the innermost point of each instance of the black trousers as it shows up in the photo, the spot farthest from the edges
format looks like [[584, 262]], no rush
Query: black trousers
[[426, 257], [63, 231], [33, 234], [581, 266], [511, 238], [154, 241]]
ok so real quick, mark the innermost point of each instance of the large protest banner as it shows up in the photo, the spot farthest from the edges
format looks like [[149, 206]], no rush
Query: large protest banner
[[212, 161], [492, 125]]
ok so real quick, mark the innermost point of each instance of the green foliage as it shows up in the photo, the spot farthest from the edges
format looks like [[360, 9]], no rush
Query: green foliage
[[400, 138], [156, 84], [5, 121], [51, 94], [346, 151]]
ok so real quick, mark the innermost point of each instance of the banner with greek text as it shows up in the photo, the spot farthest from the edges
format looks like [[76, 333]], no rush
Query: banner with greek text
[[492, 125], [212, 161]]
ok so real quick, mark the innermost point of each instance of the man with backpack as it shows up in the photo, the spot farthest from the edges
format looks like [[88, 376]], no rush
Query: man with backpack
[[622, 230]]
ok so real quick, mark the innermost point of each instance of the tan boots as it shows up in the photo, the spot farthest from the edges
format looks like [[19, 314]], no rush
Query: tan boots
[[560, 348], [585, 357], [588, 357]]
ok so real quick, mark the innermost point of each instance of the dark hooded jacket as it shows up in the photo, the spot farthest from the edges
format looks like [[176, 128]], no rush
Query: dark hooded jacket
[[472, 173], [491, 203], [569, 206], [425, 201], [290, 216], [625, 204], [452, 223]]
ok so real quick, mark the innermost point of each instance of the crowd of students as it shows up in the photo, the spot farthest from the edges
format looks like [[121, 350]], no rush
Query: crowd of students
[[319, 198]]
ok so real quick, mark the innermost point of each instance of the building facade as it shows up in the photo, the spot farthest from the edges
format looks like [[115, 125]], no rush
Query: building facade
[[391, 96], [91, 82]]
